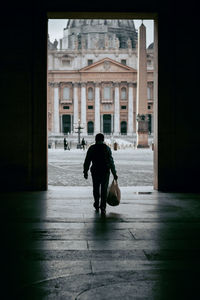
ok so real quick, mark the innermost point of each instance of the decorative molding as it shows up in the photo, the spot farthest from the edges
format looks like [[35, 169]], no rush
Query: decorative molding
[[106, 65]]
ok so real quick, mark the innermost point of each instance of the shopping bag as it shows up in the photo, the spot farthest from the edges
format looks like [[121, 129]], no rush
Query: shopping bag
[[114, 194]]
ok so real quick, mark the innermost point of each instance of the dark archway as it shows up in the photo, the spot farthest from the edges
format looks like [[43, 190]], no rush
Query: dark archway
[[123, 129], [107, 124], [66, 124], [90, 127]]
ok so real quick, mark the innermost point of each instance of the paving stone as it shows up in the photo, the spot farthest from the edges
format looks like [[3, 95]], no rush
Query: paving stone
[[58, 245], [144, 284], [146, 248], [76, 255]]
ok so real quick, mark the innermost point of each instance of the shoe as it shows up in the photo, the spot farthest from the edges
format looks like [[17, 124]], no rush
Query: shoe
[[96, 206]]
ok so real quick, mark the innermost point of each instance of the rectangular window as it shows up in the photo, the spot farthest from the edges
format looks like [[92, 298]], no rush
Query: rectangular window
[[148, 93], [90, 106], [90, 93], [66, 93], [66, 63], [90, 62], [149, 106], [107, 93], [123, 94], [123, 62], [123, 107], [66, 107]]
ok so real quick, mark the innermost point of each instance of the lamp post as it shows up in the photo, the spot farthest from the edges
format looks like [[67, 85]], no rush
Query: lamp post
[[79, 135]]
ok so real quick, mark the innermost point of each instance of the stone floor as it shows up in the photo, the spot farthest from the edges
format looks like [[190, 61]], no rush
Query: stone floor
[[54, 246]]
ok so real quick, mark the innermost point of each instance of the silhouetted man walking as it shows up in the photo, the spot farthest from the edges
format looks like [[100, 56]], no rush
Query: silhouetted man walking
[[102, 162]]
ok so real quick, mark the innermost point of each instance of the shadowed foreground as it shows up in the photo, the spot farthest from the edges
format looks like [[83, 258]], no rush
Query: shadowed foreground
[[56, 246]]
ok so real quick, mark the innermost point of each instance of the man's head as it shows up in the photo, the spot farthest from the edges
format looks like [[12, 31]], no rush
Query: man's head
[[99, 137]]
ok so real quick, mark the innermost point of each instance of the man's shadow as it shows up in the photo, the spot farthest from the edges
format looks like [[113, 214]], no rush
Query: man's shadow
[[104, 227]]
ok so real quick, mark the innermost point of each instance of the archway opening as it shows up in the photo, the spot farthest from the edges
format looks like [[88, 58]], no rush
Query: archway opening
[[100, 104], [90, 128], [123, 129]]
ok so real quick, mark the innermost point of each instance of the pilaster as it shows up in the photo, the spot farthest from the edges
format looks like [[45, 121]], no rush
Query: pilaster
[[56, 120], [130, 108], [75, 97], [97, 108], [83, 107], [116, 119]]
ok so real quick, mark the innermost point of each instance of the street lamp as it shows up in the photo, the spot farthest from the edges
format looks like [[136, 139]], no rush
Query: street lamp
[[79, 134]]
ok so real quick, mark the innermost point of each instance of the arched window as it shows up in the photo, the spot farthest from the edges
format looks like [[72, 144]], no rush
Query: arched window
[[66, 93], [123, 127], [90, 94], [123, 93], [90, 127]]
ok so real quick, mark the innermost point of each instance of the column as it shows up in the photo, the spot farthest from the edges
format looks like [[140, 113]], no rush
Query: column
[[56, 121], [142, 116], [97, 109], [130, 108], [75, 97], [116, 120], [112, 124], [61, 124], [83, 108]]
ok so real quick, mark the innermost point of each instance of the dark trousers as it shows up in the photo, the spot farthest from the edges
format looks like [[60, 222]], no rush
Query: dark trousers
[[100, 187]]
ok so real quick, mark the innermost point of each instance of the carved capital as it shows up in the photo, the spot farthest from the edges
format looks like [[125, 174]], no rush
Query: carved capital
[[83, 84], [76, 84], [130, 84], [116, 84], [54, 84], [97, 84]]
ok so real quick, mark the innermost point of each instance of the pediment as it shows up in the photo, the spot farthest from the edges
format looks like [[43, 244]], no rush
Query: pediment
[[107, 65]]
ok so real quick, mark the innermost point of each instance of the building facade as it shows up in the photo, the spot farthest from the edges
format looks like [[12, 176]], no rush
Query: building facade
[[92, 79]]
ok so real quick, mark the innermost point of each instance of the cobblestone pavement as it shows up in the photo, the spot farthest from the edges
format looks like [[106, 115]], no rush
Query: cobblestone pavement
[[134, 167]]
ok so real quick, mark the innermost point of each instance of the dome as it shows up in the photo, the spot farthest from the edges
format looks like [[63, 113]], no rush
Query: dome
[[74, 23], [101, 33]]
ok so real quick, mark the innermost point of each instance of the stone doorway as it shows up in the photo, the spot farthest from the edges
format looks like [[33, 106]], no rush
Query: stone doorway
[[66, 124], [107, 124], [123, 129], [106, 120], [90, 127]]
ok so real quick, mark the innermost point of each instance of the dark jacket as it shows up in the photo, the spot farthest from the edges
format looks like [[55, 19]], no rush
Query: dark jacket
[[102, 161]]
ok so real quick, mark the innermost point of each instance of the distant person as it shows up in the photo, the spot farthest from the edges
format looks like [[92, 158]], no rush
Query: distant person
[[66, 145], [83, 143], [102, 162]]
